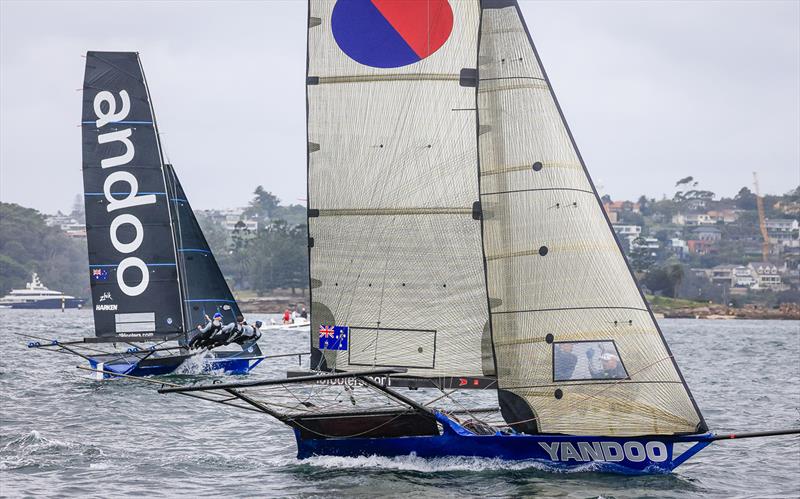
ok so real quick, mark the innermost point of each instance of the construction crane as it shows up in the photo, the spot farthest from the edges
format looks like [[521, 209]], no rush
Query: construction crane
[[762, 221]]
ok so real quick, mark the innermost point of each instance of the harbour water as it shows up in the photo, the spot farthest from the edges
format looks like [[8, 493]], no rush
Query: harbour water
[[63, 434]]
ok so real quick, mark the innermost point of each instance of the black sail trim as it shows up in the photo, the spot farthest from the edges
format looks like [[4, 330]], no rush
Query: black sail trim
[[317, 360], [478, 166]]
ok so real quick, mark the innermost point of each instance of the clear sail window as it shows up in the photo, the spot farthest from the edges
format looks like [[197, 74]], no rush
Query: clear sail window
[[587, 360]]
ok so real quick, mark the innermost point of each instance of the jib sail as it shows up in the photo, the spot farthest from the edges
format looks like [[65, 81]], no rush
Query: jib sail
[[396, 262], [205, 291], [577, 348], [132, 259]]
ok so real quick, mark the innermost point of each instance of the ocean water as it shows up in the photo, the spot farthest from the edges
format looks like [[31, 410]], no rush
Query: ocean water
[[63, 434]]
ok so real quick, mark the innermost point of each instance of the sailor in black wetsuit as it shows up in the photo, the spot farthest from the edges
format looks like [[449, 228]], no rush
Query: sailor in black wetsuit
[[248, 334], [201, 339], [225, 334]]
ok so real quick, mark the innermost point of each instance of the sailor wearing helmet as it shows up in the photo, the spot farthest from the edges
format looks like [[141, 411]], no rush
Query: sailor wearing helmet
[[204, 334]]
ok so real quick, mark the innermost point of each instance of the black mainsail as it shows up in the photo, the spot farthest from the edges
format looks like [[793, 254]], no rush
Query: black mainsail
[[152, 271], [133, 265]]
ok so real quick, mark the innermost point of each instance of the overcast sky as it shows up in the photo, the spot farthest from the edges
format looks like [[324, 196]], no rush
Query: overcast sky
[[653, 91]]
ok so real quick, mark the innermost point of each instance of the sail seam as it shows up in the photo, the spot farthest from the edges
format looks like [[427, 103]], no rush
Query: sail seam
[[394, 77], [593, 383], [534, 190], [395, 211], [569, 308], [513, 78]]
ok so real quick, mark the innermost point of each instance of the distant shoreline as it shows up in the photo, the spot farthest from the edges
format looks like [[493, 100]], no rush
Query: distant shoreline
[[662, 307]]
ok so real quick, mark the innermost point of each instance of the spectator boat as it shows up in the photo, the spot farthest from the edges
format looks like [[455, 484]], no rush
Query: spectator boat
[[37, 295]]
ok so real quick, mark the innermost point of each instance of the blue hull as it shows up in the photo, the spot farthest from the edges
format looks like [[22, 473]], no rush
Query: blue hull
[[639, 455], [168, 365], [49, 304]]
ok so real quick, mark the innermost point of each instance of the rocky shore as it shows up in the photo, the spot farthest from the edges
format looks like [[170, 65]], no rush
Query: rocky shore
[[787, 311]]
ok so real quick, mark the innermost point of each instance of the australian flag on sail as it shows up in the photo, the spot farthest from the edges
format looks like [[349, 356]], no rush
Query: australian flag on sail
[[333, 337], [99, 274]]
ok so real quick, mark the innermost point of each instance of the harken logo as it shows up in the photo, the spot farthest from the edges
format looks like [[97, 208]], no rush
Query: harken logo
[[106, 296]]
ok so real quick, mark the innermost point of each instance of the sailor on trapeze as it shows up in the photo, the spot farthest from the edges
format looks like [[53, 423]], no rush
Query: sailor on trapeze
[[214, 334], [206, 333]]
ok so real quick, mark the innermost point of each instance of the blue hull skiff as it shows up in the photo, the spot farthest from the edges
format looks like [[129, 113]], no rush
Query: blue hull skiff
[[228, 362], [400, 426], [630, 456]]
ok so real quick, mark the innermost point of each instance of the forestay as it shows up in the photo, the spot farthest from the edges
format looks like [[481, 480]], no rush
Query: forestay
[[134, 279], [565, 305], [395, 251]]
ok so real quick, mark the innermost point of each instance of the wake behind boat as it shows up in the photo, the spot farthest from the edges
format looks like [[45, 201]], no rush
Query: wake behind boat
[[480, 250], [154, 279]]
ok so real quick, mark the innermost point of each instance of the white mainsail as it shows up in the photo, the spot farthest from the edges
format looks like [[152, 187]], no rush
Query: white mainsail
[[396, 253]]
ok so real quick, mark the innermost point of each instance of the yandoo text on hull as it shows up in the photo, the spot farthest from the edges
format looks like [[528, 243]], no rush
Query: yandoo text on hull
[[479, 250], [153, 276]]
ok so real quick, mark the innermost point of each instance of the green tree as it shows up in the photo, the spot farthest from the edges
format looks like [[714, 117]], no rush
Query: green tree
[[263, 205], [28, 245], [282, 257], [641, 258], [745, 199]]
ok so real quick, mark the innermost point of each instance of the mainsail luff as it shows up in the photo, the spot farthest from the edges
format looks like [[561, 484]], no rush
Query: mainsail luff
[[127, 213], [401, 265], [555, 272]]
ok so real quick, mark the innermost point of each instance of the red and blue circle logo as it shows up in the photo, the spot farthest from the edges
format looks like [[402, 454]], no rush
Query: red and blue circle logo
[[391, 33]]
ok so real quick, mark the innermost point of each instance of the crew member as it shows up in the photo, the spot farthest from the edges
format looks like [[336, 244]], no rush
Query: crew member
[[565, 361], [610, 366], [204, 334], [248, 334]]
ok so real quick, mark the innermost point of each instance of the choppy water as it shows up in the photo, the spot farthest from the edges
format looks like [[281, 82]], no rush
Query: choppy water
[[62, 434]]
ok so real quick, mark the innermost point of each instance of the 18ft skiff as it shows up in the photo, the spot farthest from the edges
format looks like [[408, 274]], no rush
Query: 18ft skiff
[[455, 234]]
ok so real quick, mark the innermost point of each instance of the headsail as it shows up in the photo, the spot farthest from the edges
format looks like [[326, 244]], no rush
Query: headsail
[[395, 248], [565, 305], [205, 291], [134, 279]]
